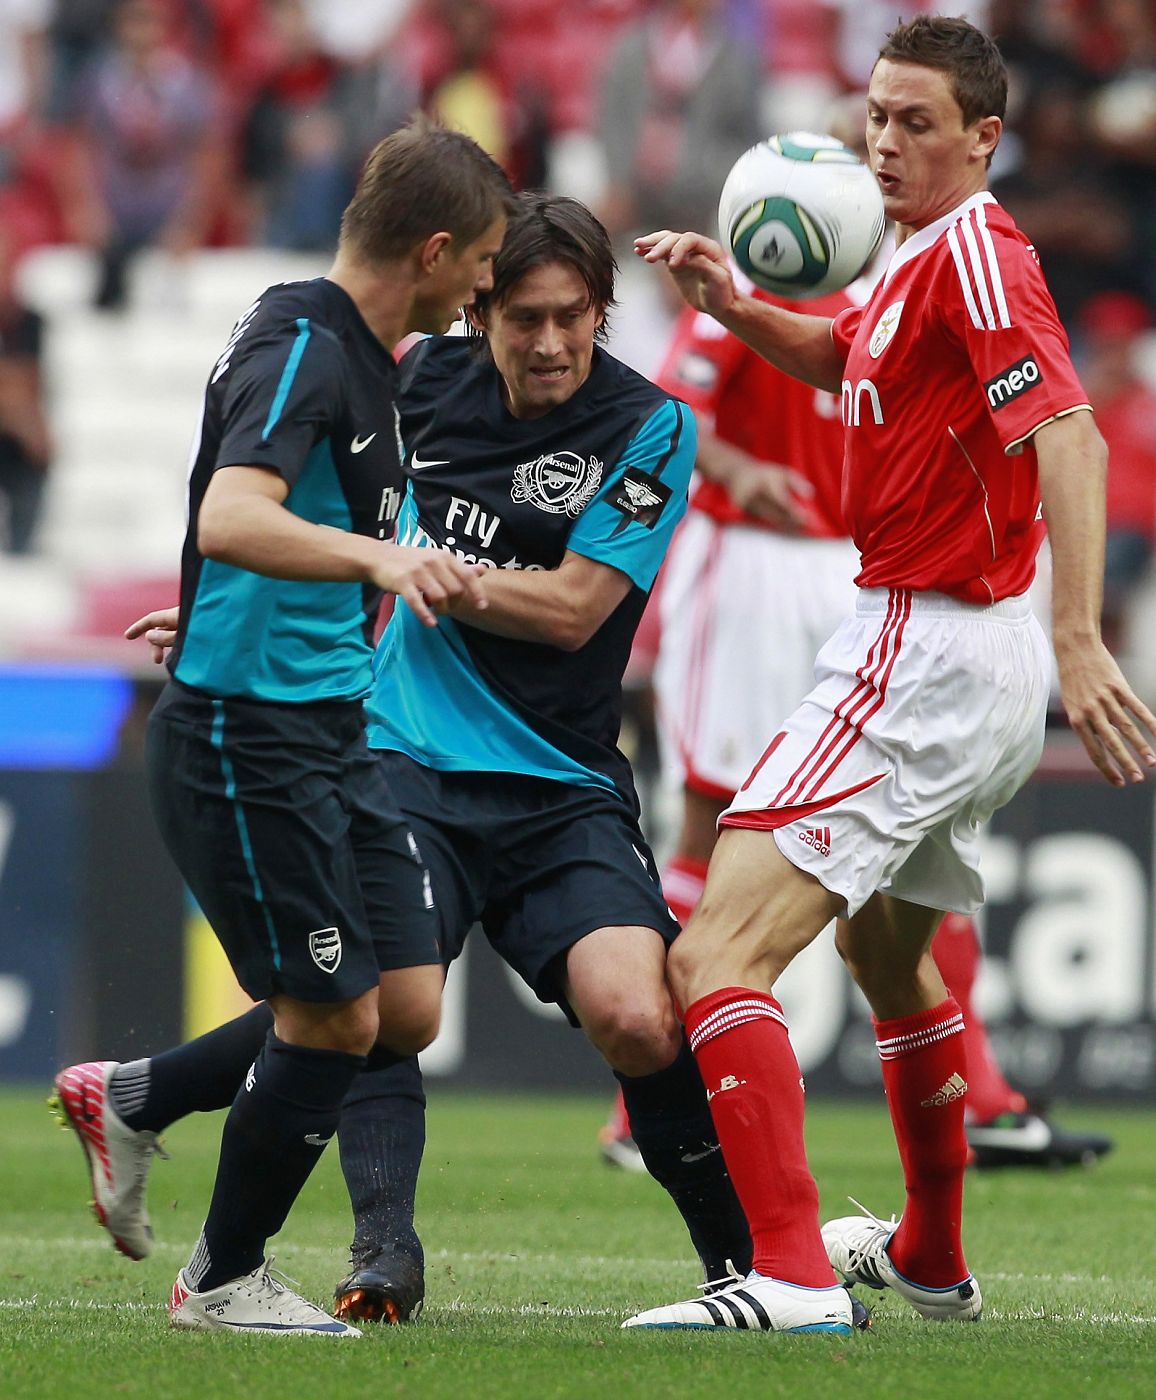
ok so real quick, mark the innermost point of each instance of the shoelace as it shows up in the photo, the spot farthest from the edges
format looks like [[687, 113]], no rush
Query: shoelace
[[728, 1280], [861, 1254]]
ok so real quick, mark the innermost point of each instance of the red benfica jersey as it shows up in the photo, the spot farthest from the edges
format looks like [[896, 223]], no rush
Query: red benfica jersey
[[954, 362], [761, 410]]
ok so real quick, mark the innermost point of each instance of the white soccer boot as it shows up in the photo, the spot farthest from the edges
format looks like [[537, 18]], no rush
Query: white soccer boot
[[257, 1302], [118, 1156], [857, 1249], [757, 1304]]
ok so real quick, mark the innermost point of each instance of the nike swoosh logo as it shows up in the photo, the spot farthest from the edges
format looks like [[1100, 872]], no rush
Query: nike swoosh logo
[[416, 464], [359, 444], [698, 1156], [314, 1141]]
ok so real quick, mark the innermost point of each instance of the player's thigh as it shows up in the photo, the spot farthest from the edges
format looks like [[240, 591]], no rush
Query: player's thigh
[[250, 806], [577, 864], [395, 881], [438, 816], [757, 911]]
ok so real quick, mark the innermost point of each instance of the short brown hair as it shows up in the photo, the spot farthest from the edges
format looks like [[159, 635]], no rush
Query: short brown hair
[[552, 228], [422, 180], [970, 59]]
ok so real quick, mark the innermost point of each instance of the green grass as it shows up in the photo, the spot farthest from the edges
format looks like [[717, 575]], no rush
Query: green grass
[[535, 1253]]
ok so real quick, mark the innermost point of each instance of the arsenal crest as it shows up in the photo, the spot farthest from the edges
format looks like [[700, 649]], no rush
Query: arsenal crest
[[561, 483], [325, 948]]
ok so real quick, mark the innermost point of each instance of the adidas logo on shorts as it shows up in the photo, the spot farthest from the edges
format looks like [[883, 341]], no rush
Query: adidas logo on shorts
[[819, 837]]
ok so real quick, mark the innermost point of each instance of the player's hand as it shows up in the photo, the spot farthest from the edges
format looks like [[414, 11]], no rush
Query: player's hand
[[771, 493], [1109, 718], [698, 265], [158, 628], [429, 580]]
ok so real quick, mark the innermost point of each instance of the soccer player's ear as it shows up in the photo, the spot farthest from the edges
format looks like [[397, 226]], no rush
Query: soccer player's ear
[[433, 251], [477, 319], [987, 134]]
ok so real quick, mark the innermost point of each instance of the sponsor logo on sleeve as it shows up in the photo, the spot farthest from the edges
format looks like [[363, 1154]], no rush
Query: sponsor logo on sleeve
[[1010, 383], [640, 497]]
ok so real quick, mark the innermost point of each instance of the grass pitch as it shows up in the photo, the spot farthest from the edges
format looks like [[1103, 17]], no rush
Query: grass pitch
[[536, 1251]]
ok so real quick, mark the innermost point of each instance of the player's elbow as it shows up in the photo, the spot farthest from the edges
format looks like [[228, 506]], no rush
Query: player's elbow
[[217, 536], [571, 630]]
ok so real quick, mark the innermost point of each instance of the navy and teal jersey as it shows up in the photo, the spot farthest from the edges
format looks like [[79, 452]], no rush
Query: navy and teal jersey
[[605, 475], [304, 389]]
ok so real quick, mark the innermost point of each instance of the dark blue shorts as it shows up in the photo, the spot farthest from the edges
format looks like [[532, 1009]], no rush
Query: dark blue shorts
[[539, 864], [282, 823]]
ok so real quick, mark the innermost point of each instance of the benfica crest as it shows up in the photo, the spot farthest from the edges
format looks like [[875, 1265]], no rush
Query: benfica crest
[[561, 483]]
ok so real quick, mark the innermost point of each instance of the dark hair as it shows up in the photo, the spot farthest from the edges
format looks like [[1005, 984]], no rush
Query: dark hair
[[552, 228], [422, 180], [970, 59]]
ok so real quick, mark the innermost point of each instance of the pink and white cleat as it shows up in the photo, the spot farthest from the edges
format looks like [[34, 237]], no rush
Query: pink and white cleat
[[118, 1156]]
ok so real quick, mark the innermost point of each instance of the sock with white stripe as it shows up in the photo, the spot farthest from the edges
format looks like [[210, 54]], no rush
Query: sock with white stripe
[[285, 1113], [957, 955], [671, 1124], [739, 1038], [924, 1075], [202, 1075]]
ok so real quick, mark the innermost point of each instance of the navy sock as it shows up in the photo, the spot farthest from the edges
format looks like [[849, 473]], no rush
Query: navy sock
[[197, 1077], [286, 1111], [670, 1122], [382, 1138]]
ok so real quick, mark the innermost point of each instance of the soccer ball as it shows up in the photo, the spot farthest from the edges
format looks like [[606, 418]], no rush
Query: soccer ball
[[801, 214]]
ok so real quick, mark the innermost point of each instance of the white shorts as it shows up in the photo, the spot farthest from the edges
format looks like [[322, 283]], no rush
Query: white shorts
[[927, 715], [744, 612]]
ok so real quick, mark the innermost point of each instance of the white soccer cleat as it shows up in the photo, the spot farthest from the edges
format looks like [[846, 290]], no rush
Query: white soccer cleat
[[757, 1304], [857, 1249], [256, 1302], [118, 1156]]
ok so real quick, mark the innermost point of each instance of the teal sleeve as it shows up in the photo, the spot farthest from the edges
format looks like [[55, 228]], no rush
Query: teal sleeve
[[629, 522]]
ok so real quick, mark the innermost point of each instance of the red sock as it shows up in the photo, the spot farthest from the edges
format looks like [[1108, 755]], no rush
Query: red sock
[[618, 1124], [923, 1075], [739, 1038], [957, 953], [682, 883]]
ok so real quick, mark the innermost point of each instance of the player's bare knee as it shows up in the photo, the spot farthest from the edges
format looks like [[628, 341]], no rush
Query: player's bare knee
[[636, 1039], [354, 1030], [413, 1030]]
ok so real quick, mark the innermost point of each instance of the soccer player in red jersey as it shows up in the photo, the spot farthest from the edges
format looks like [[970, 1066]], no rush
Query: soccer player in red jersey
[[965, 428], [765, 523]]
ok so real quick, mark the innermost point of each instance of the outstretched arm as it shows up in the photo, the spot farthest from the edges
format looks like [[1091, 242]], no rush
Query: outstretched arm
[[1102, 708], [792, 341], [243, 521]]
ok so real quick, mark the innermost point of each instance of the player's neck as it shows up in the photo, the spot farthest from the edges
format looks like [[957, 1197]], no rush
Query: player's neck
[[382, 299], [954, 201]]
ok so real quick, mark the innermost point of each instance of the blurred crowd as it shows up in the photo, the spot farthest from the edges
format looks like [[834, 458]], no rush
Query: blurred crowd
[[127, 124]]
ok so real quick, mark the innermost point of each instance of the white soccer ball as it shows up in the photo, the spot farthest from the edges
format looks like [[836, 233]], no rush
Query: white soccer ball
[[801, 214]]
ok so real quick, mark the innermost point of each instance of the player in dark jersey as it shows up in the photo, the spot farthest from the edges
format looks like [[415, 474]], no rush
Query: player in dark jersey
[[269, 800], [563, 473]]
